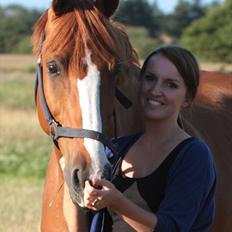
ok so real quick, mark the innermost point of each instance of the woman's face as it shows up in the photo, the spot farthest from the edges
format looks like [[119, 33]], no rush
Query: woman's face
[[163, 91]]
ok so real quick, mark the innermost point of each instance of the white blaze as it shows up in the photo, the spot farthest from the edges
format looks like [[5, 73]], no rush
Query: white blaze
[[89, 97]]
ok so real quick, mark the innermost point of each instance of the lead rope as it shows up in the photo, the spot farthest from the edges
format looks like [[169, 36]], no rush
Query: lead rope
[[115, 124]]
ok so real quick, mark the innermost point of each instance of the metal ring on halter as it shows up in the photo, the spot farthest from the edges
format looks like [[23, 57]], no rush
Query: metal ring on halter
[[94, 203]]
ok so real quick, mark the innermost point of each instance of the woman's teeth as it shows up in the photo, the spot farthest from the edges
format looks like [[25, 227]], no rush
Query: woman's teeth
[[154, 103]]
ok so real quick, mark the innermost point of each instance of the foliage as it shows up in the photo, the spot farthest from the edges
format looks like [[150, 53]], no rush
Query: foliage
[[143, 13], [140, 13], [24, 46], [184, 14], [210, 37], [142, 42], [16, 24]]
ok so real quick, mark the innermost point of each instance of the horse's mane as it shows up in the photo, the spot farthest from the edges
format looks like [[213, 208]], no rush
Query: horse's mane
[[79, 29]]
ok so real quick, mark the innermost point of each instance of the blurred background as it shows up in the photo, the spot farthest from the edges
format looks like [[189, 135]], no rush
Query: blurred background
[[203, 26]]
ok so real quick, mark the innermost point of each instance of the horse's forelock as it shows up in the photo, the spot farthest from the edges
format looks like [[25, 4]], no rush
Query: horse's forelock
[[37, 33], [72, 33]]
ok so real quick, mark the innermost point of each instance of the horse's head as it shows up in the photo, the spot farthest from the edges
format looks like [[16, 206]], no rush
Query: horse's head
[[82, 56]]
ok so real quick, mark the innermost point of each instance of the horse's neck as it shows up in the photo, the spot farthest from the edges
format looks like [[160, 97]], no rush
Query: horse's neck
[[130, 120], [52, 209], [58, 210]]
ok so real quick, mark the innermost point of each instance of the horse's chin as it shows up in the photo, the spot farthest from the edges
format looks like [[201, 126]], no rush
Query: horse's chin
[[77, 197]]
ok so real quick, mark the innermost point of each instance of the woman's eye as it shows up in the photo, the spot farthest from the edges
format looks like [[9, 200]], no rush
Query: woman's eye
[[53, 69], [172, 85], [149, 78]]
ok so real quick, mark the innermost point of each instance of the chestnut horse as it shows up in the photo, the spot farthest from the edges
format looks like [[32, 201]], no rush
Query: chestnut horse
[[211, 119], [84, 58]]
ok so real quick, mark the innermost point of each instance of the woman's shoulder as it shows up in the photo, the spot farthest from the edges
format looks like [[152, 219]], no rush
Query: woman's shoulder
[[197, 148], [125, 142], [195, 154], [122, 144]]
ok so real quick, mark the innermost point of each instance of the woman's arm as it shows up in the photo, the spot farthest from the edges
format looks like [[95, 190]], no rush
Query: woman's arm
[[135, 216], [189, 199]]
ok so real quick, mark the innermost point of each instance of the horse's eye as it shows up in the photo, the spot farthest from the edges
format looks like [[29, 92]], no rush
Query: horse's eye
[[53, 69]]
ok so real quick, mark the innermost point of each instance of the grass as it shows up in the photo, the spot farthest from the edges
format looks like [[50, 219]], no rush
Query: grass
[[24, 148], [17, 93], [20, 205]]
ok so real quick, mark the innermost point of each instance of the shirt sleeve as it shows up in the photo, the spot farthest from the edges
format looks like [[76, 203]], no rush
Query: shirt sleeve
[[188, 203]]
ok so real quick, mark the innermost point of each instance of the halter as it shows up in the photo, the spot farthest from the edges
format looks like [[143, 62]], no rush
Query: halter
[[56, 130]]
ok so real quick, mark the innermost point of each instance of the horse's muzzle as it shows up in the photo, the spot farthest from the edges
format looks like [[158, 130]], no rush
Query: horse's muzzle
[[107, 172]]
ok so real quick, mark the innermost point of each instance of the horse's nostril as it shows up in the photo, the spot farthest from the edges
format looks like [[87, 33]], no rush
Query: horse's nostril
[[107, 171], [75, 178]]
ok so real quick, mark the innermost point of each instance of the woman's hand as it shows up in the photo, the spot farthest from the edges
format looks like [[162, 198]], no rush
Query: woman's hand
[[109, 196], [97, 199]]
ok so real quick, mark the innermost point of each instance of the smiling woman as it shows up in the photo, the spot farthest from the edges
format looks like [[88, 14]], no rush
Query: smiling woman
[[163, 89], [166, 178]]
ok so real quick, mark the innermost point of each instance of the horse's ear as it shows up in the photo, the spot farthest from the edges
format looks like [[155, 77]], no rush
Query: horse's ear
[[107, 7], [62, 6]]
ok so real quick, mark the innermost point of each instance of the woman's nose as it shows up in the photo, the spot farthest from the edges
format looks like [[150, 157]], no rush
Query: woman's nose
[[157, 90]]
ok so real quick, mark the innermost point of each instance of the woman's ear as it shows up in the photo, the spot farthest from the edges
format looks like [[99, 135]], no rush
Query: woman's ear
[[187, 102]]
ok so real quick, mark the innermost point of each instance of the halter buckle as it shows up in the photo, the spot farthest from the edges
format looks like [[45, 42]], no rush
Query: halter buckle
[[52, 129]]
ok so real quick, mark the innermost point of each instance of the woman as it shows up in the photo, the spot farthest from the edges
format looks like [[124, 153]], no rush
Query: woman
[[166, 179]]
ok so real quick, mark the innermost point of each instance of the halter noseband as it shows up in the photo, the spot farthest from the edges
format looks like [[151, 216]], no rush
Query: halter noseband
[[56, 130]]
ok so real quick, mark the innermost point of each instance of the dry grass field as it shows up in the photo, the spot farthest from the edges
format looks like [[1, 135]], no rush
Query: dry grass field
[[220, 67], [9, 62], [24, 149], [20, 205]]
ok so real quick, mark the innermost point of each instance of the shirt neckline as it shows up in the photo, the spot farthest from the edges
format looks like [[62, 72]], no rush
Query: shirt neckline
[[169, 156]]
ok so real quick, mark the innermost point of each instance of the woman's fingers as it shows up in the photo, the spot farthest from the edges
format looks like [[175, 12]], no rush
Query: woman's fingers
[[102, 182], [89, 189], [97, 199]]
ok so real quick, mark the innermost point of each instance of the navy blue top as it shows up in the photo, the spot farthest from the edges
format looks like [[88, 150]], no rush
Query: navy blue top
[[180, 191]]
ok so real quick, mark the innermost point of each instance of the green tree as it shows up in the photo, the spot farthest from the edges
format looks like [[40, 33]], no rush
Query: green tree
[[140, 13], [141, 41], [16, 24], [135, 13], [184, 14], [210, 37]]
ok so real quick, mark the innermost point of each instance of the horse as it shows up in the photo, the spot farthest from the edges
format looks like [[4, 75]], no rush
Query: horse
[[211, 119], [85, 59]]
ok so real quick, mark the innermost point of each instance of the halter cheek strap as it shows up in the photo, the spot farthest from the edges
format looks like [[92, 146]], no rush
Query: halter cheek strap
[[55, 129]]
